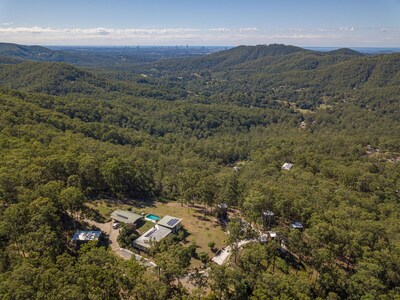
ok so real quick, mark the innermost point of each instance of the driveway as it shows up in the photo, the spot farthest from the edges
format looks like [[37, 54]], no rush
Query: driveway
[[113, 238]]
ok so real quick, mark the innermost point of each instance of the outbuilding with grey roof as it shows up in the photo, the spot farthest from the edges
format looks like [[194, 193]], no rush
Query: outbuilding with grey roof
[[125, 216]]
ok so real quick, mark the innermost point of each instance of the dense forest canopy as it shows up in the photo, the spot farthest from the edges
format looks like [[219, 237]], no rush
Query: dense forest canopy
[[173, 129]]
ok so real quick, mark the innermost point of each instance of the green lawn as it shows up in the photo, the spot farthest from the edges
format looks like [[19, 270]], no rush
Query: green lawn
[[146, 225]]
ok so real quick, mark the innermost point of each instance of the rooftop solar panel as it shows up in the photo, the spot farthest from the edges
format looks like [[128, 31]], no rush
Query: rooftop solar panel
[[150, 233], [172, 222]]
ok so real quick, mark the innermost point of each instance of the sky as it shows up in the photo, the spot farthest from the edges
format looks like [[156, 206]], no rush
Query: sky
[[306, 23]]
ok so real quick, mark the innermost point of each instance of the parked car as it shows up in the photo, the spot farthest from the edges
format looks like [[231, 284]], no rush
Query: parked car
[[115, 225]]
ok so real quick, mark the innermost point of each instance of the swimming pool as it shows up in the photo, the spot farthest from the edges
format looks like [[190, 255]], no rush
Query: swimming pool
[[152, 218]]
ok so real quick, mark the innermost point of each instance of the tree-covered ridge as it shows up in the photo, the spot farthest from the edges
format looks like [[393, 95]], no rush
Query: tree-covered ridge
[[27, 52], [60, 150], [304, 78]]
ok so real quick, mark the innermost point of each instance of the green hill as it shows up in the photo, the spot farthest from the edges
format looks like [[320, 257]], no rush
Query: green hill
[[37, 53], [49, 78], [228, 58], [260, 75]]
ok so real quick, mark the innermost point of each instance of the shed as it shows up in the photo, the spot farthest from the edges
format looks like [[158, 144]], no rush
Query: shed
[[171, 223], [287, 166], [125, 216]]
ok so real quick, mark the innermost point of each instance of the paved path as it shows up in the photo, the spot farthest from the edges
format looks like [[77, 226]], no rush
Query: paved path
[[113, 238], [221, 258]]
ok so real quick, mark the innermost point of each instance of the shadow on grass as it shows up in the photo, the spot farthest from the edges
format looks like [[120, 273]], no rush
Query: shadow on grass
[[94, 215], [185, 234], [135, 203]]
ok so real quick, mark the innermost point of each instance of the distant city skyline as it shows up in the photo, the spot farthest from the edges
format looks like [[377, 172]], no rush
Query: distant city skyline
[[351, 23]]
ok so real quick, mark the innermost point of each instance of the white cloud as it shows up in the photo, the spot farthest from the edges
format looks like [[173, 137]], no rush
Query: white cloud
[[224, 29], [334, 36], [248, 29], [7, 23], [221, 29], [34, 29], [335, 29], [37, 34], [346, 29]]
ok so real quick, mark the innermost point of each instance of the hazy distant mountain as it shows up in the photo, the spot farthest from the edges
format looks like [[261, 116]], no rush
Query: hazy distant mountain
[[109, 57], [32, 52]]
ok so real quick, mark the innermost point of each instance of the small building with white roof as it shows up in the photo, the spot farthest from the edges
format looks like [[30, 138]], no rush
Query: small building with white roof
[[287, 166], [172, 223], [86, 235]]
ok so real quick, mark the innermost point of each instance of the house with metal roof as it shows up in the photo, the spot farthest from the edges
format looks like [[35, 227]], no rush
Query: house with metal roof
[[124, 216], [297, 225], [172, 223], [86, 235], [154, 234]]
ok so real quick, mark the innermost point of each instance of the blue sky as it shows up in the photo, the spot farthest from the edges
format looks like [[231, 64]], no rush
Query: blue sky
[[340, 23]]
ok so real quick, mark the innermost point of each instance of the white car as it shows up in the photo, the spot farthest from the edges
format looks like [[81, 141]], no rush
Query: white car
[[115, 225]]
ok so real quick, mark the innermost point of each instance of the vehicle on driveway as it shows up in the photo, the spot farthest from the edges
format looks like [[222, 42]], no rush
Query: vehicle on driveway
[[115, 225]]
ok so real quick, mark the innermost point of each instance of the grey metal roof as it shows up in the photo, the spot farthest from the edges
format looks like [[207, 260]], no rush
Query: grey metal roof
[[169, 222], [156, 234], [268, 213], [297, 225], [223, 205], [125, 216]]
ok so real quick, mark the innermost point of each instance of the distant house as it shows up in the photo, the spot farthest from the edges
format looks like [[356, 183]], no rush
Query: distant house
[[297, 225], [86, 235], [124, 216], [154, 234], [372, 150], [270, 235], [264, 238], [287, 166], [172, 223]]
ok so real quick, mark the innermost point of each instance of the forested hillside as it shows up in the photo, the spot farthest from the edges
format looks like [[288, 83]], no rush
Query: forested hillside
[[174, 130], [262, 75]]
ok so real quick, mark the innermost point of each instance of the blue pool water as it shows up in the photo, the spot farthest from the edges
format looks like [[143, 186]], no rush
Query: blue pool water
[[153, 217]]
